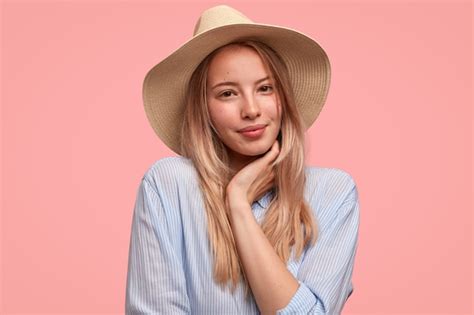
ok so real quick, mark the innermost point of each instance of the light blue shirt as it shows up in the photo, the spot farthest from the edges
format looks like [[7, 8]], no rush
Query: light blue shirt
[[170, 268]]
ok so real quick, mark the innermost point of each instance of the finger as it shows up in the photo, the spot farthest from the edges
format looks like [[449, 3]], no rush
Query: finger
[[274, 151], [268, 157]]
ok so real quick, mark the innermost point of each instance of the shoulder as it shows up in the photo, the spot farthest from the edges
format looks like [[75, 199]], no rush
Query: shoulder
[[170, 171], [329, 176], [329, 188]]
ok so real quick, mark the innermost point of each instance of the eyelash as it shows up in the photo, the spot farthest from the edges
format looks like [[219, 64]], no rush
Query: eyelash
[[270, 88]]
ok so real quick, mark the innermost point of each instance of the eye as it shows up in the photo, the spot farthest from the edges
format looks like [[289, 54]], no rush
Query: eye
[[266, 88], [226, 94]]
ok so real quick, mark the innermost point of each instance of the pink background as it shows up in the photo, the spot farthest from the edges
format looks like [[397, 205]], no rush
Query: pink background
[[76, 142]]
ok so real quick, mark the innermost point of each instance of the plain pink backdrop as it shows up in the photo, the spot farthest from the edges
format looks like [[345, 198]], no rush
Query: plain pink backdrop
[[76, 142]]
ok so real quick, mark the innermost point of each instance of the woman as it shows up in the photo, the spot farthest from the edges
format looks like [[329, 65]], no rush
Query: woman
[[238, 224]]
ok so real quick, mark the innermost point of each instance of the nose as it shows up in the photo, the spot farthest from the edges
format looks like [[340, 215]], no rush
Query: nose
[[250, 108]]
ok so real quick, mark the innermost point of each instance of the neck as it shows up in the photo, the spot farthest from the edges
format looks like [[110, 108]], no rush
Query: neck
[[236, 164]]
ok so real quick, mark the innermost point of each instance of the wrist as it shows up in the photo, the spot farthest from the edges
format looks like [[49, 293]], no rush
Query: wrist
[[239, 209], [238, 205]]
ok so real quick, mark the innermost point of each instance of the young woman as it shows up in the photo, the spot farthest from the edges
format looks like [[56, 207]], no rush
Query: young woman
[[237, 224]]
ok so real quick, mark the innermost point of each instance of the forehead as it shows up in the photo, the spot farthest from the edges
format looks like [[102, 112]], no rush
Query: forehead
[[236, 60]]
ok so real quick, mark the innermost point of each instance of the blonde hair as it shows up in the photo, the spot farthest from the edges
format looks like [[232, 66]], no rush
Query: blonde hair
[[288, 222]]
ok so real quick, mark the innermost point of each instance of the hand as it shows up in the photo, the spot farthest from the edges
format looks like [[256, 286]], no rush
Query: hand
[[252, 181]]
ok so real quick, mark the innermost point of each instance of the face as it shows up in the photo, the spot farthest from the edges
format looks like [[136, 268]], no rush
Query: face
[[241, 95]]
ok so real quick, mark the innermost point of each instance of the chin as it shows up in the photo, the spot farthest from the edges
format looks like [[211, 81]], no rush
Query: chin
[[254, 152]]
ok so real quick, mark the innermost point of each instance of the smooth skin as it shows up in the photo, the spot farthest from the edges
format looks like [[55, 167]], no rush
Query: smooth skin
[[241, 93], [232, 107]]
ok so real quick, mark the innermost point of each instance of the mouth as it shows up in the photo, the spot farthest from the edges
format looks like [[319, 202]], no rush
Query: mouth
[[253, 132], [252, 128]]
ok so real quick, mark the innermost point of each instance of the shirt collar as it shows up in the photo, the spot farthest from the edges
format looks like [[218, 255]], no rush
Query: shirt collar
[[265, 200]]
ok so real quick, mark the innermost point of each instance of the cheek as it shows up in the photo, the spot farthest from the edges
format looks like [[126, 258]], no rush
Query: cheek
[[279, 110], [213, 112], [273, 107], [274, 111], [220, 118]]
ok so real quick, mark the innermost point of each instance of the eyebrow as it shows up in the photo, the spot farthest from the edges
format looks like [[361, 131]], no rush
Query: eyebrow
[[235, 84]]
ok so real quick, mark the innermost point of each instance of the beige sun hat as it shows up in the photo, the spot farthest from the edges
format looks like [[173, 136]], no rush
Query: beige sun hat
[[164, 87]]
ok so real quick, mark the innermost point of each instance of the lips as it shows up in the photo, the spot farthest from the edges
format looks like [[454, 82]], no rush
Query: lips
[[252, 128]]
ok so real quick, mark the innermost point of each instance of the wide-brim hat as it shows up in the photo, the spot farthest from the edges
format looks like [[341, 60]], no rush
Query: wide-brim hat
[[164, 87]]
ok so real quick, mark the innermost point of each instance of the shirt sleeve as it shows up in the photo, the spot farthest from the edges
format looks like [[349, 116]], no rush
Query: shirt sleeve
[[155, 277], [326, 270]]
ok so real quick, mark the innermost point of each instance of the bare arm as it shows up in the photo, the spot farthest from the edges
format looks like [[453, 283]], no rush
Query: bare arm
[[272, 284], [323, 282]]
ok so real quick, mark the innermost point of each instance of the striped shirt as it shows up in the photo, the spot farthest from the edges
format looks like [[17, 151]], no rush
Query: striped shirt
[[170, 269]]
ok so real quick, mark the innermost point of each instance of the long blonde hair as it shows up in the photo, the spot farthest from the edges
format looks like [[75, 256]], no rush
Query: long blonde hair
[[288, 222]]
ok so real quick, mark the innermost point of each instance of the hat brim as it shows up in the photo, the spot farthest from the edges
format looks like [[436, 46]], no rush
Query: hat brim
[[164, 87]]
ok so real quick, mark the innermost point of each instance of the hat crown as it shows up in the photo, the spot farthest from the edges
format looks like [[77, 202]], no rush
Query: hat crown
[[218, 16], [166, 85]]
